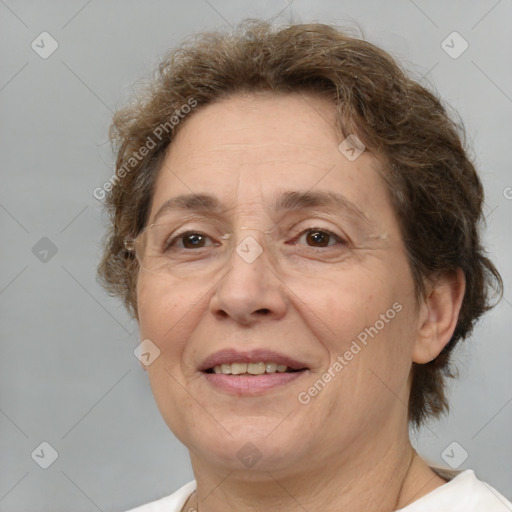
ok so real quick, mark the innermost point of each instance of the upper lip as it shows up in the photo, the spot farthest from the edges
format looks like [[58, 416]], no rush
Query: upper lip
[[228, 356]]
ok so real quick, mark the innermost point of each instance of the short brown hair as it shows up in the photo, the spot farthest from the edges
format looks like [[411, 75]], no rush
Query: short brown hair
[[435, 190]]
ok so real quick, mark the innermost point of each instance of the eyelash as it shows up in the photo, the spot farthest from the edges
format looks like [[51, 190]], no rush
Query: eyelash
[[170, 243], [336, 237], [182, 235]]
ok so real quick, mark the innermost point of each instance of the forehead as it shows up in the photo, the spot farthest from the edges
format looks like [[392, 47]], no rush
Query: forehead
[[242, 148], [258, 129]]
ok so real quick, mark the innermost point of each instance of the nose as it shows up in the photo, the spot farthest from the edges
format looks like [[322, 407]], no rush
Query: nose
[[250, 290]]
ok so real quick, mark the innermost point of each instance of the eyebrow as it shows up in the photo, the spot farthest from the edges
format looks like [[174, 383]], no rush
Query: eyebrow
[[286, 202], [202, 203], [296, 200]]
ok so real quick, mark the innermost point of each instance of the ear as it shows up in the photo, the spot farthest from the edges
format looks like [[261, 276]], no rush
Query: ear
[[439, 312]]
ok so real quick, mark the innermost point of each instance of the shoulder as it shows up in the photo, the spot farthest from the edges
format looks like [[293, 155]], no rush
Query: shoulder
[[171, 503], [463, 493]]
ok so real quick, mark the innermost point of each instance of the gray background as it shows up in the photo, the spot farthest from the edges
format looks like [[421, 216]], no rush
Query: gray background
[[68, 374]]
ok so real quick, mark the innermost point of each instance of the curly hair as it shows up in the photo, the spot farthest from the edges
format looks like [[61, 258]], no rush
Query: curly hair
[[434, 187]]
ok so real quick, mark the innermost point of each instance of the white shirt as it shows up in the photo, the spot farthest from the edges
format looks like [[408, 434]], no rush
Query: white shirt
[[465, 493]]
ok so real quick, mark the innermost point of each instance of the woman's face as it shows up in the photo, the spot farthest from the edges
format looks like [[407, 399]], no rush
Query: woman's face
[[327, 292]]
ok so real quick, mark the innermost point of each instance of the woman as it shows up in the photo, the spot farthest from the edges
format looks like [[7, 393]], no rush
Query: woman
[[295, 229]]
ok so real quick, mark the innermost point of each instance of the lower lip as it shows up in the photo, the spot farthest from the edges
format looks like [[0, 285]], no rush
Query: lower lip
[[251, 384]]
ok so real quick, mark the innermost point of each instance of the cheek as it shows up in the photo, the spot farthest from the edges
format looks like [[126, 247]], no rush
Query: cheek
[[364, 317], [340, 306], [166, 317], [164, 311]]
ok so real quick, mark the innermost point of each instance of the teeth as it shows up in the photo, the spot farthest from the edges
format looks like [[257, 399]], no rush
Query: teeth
[[238, 368], [250, 368], [270, 367], [256, 368]]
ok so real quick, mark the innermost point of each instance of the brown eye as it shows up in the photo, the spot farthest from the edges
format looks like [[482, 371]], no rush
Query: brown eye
[[193, 240], [318, 238]]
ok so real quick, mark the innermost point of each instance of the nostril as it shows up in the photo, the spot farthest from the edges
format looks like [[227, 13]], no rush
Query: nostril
[[263, 311]]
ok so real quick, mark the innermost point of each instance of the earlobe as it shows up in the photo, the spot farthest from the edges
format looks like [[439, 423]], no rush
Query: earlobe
[[438, 317]]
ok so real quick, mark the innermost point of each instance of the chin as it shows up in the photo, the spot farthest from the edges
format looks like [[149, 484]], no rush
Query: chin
[[249, 446]]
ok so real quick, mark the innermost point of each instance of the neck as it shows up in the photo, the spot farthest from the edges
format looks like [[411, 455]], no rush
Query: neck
[[378, 480]]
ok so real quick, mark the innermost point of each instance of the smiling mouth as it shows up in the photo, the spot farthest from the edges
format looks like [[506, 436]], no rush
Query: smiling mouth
[[251, 369], [251, 373]]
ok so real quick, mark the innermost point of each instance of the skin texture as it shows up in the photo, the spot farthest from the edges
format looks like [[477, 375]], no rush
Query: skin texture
[[349, 446]]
